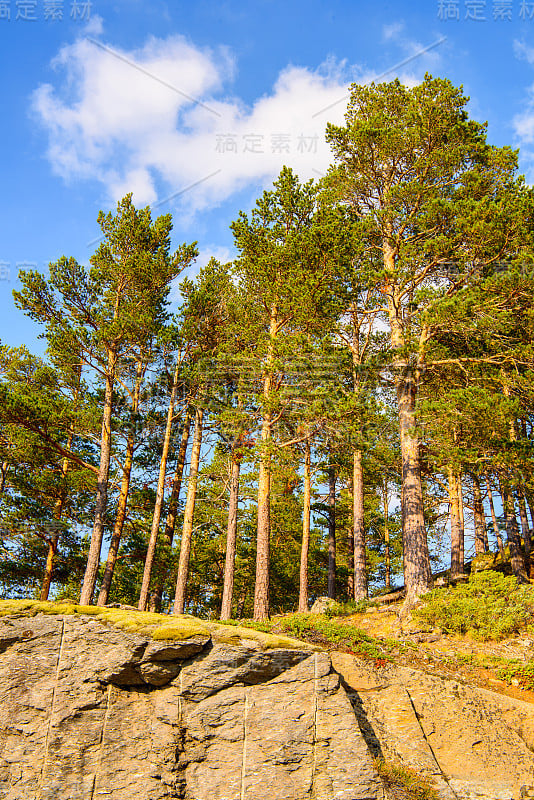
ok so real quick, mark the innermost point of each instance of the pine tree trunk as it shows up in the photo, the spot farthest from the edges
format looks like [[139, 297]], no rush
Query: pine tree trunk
[[479, 522], [350, 549], [189, 513], [160, 493], [387, 554], [416, 557], [49, 568], [457, 564], [93, 558], [494, 518], [241, 605], [231, 540], [306, 517], [172, 513], [517, 556], [331, 590], [261, 586], [417, 570], [54, 539], [358, 526], [261, 589], [530, 502], [60, 504], [524, 521], [461, 509], [3, 474], [123, 496]]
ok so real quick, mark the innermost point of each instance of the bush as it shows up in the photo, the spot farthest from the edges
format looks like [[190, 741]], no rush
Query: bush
[[489, 606], [348, 608], [518, 672]]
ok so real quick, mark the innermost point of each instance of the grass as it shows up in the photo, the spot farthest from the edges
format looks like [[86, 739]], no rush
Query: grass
[[315, 626], [413, 785], [490, 606]]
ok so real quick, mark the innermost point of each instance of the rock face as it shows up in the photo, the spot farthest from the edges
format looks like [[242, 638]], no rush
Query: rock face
[[92, 712], [88, 711], [473, 744]]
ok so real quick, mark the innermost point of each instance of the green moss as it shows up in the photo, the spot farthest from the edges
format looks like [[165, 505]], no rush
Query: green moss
[[179, 627], [161, 627], [267, 641]]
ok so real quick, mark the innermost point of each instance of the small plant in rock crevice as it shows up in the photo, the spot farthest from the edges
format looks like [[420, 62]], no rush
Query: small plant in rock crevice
[[412, 785]]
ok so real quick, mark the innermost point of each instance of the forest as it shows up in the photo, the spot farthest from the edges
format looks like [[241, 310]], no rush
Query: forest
[[345, 408]]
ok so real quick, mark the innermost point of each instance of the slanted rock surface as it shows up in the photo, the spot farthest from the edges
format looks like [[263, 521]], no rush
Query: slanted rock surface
[[474, 744]]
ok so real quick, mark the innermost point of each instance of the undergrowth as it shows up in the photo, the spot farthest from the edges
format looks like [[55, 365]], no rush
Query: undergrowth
[[312, 626], [350, 607], [413, 785], [490, 606], [518, 672]]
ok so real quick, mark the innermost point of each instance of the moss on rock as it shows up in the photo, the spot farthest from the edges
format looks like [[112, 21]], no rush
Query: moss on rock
[[160, 627]]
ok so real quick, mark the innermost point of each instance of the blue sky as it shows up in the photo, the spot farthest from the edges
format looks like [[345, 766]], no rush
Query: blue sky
[[196, 108]]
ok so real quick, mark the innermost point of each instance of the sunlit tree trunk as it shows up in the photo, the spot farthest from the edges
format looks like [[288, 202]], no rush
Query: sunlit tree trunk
[[3, 474], [517, 556], [231, 538], [261, 587], [479, 522], [350, 549], [387, 553], [457, 563], [172, 513], [160, 492], [331, 590], [417, 569], [524, 521], [306, 517], [494, 522], [358, 526], [123, 494], [93, 558], [189, 512], [53, 541], [461, 509]]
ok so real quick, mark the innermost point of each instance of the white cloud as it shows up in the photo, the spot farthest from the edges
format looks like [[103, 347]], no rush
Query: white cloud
[[159, 120], [95, 26], [392, 31], [523, 123], [523, 52]]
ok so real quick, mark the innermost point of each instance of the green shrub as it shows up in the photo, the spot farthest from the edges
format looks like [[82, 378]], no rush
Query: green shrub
[[348, 608], [490, 606], [521, 671]]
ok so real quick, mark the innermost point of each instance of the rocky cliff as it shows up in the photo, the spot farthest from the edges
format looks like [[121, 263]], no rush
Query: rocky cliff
[[203, 712]]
